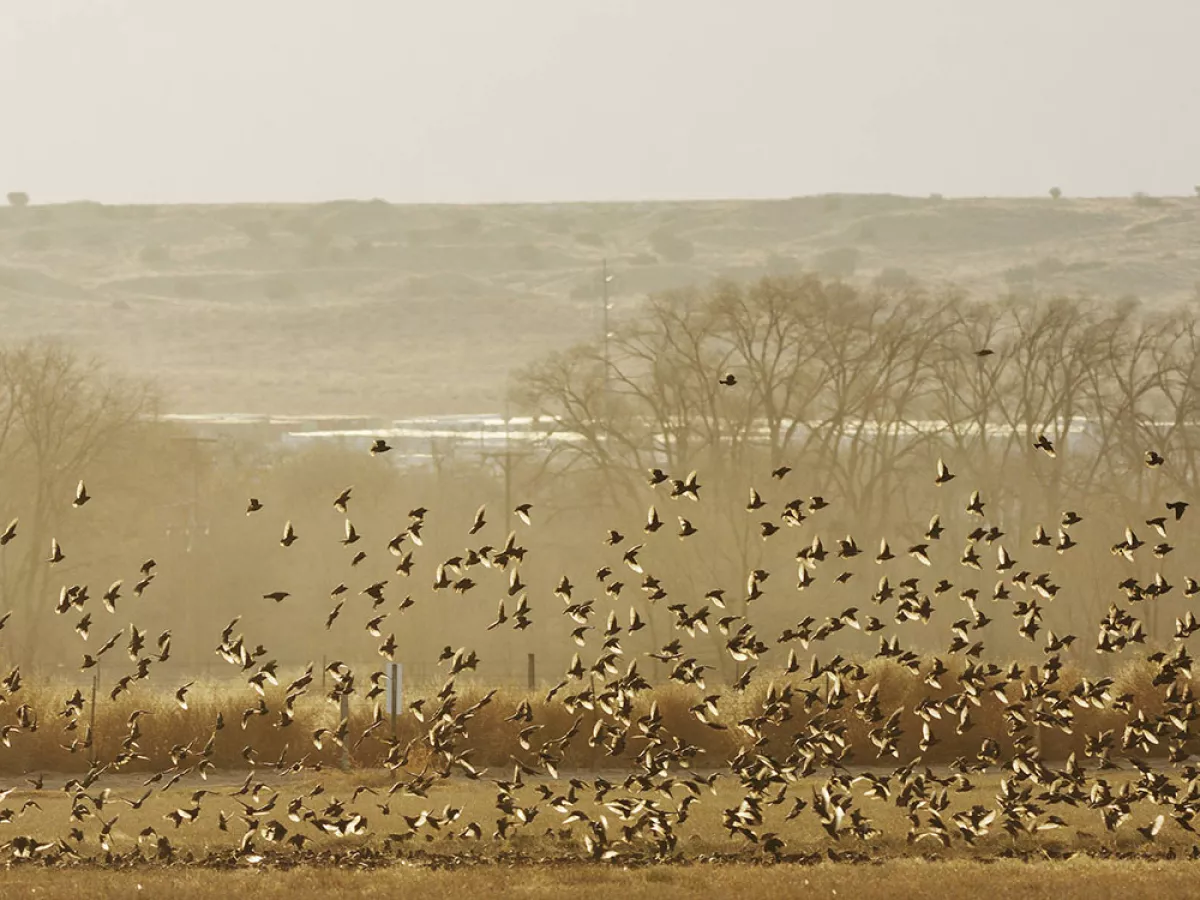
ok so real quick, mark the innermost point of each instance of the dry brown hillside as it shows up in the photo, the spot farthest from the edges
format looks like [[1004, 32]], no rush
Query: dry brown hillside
[[399, 310]]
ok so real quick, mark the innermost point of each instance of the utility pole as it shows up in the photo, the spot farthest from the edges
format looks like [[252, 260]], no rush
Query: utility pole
[[193, 523], [507, 471], [193, 507], [605, 279], [604, 313]]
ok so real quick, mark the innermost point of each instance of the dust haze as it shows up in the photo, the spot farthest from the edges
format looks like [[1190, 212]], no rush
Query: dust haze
[[833, 366]]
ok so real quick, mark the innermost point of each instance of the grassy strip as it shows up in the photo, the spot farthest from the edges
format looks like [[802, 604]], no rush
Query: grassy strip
[[169, 735]]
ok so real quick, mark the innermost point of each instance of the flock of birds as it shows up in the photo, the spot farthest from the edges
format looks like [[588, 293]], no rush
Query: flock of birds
[[794, 757]]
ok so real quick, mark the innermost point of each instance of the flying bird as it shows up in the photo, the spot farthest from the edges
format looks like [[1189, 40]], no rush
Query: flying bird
[[1044, 444]]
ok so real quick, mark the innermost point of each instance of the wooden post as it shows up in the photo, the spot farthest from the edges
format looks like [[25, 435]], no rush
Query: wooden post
[[92, 717], [345, 711], [531, 673], [395, 676], [1037, 729]]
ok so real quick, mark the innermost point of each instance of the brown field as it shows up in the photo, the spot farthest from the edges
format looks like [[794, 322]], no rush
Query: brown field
[[894, 880], [366, 307], [114, 834]]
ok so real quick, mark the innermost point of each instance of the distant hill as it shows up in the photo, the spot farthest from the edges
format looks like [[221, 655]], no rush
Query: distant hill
[[368, 307]]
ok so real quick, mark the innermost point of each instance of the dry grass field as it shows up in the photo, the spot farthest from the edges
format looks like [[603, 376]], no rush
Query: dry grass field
[[366, 307]]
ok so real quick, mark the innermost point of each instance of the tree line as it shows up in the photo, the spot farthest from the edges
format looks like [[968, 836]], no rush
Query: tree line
[[860, 390]]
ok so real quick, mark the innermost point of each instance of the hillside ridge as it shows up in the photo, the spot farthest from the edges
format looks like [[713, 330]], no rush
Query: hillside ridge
[[421, 309]]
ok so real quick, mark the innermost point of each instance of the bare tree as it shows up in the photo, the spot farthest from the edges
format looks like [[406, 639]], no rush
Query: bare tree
[[59, 414]]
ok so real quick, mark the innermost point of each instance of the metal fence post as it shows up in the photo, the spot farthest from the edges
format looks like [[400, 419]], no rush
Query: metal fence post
[[92, 718], [345, 711]]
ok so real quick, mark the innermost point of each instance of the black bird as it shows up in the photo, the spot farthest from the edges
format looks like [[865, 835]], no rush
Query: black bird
[[379, 446], [1043, 443]]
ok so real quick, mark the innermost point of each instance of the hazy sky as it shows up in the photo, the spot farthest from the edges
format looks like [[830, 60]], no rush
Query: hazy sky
[[509, 100]]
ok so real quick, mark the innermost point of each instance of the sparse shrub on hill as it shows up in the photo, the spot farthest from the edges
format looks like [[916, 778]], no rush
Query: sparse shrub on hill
[[529, 256], [558, 223], [18, 199], [318, 247], [154, 255], [672, 247], [584, 289], [467, 225], [894, 278], [840, 262], [36, 240], [1020, 277], [1055, 193], [257, 230], [280, 288], [1049, 265], [782, 264]]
